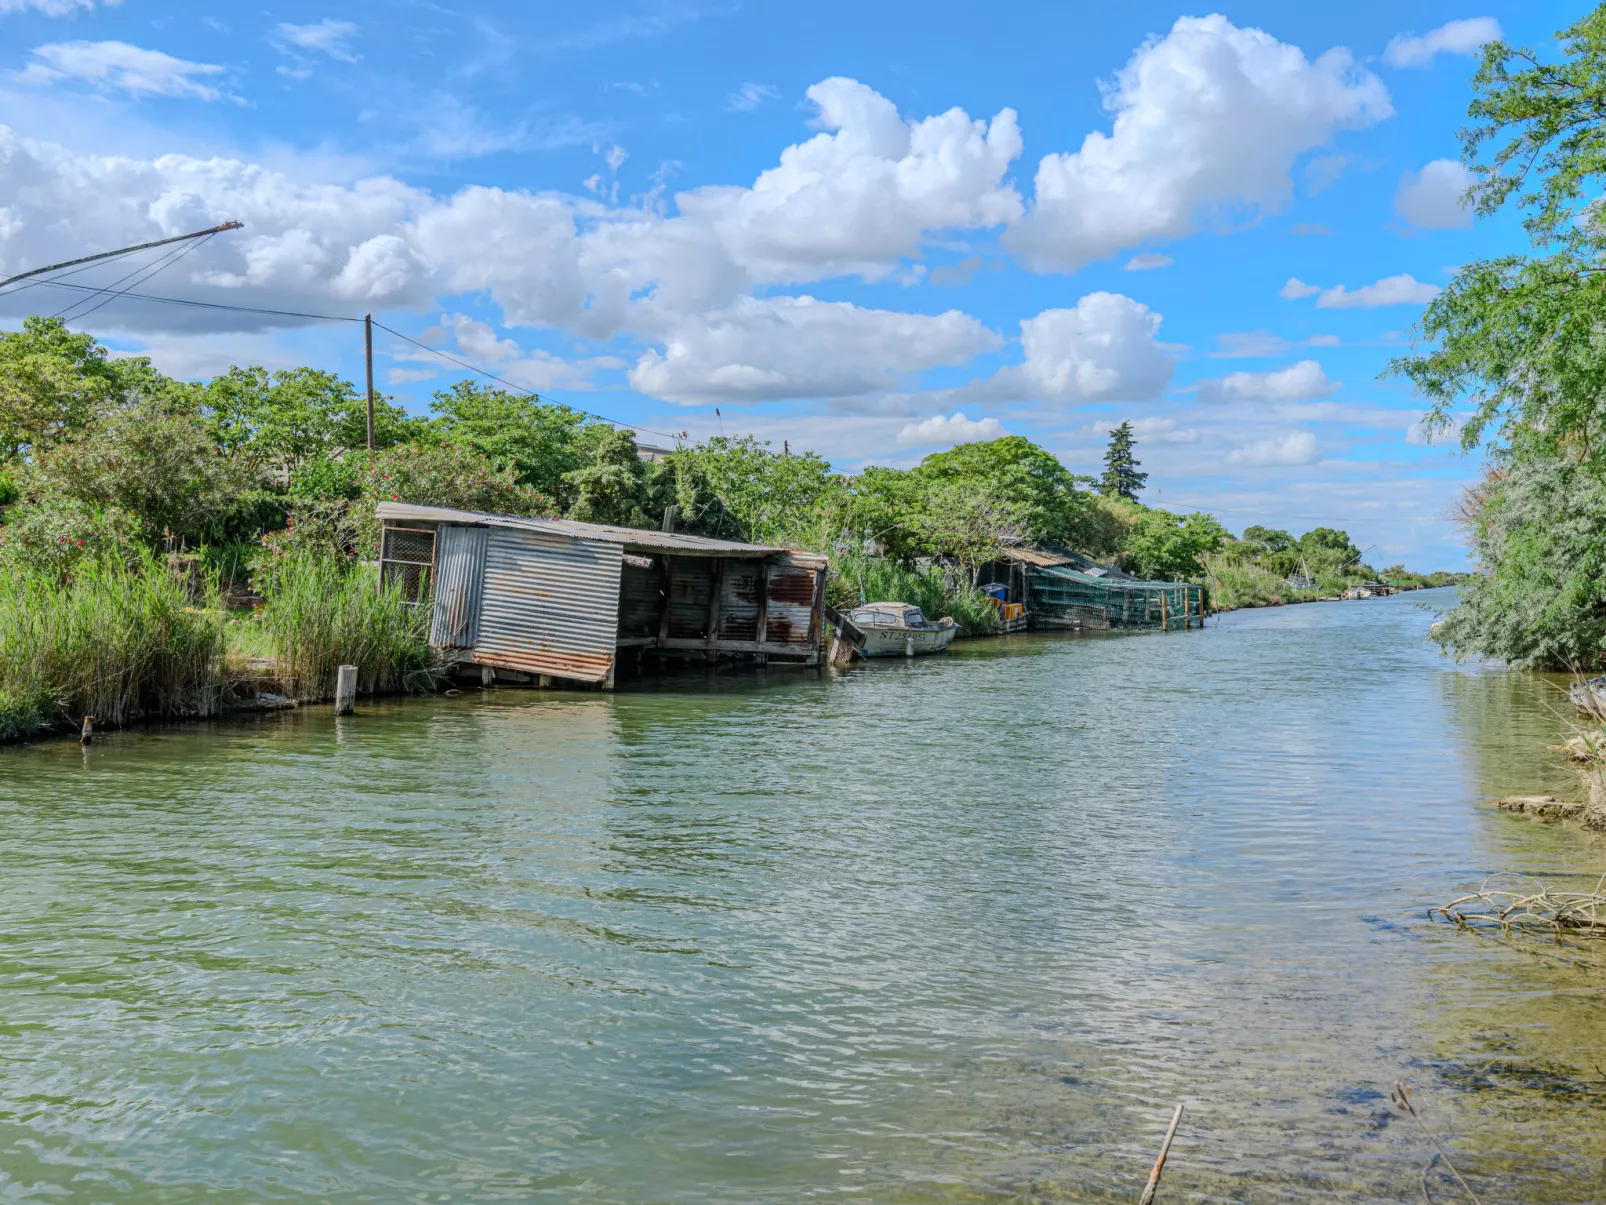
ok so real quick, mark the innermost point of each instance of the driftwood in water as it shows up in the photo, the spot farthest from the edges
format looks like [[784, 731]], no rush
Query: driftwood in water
[[1159, 1164], [1523, 909]]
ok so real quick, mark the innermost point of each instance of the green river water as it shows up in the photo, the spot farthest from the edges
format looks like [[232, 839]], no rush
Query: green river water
[[956, 929]]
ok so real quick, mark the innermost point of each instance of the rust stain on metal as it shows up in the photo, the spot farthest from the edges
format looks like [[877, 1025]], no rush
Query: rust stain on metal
[[588, 667], [796, 589]]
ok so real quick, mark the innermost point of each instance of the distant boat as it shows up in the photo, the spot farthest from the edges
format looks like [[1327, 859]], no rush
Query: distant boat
[[895, 629]]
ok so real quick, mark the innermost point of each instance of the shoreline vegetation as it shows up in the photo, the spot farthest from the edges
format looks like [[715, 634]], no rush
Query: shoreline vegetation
[[176, 549]]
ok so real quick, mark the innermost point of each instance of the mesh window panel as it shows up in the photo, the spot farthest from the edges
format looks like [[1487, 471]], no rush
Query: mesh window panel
[[405, 560], [411, 547]]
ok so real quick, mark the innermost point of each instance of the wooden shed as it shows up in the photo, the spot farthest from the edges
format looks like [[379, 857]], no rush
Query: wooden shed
[[556, 599]]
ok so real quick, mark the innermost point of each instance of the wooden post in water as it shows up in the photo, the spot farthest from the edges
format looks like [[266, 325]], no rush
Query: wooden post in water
[[1165, 620], [345, 690], [88, 734]]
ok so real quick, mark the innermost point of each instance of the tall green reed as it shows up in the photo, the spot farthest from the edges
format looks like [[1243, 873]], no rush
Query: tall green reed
[[321, 612], [117, 639], [937, 592]]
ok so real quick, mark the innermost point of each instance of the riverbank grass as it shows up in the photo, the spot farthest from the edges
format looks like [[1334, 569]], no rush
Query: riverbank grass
[[321, 612], [858, 578], [119, 641]]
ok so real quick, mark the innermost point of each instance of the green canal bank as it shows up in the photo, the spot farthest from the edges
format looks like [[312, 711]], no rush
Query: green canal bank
[[957, 928]]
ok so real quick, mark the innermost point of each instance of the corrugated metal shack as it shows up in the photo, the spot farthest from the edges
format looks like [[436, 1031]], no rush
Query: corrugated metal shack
[[552, 598], [1064, 589]]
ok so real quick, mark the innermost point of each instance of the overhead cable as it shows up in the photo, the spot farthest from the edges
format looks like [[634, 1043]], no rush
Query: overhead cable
[[522, 391]]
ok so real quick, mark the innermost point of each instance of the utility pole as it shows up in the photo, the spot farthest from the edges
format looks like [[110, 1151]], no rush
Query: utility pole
[[368, 351], [89, 259]]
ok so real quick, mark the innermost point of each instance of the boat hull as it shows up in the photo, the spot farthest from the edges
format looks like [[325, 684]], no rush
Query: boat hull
[[906, 642]]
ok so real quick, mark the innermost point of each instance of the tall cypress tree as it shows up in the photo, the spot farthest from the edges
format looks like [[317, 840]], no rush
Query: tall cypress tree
[[1121, 477]]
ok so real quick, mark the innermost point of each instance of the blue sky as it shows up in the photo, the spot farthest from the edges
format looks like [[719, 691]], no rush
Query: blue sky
[[872, 230]]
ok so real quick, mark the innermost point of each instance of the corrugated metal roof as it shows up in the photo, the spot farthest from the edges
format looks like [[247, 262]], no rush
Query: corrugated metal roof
[[630, 537]]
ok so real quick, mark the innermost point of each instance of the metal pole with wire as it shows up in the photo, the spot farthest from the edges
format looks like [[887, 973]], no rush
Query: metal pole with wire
[[85, 259], [368, 354]]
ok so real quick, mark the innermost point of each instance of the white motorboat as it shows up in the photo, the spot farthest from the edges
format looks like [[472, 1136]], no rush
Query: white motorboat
[[895, 629]]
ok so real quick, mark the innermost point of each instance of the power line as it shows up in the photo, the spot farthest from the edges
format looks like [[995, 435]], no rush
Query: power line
[[143, 273], [248, 309], [204, 305], [522, 391]]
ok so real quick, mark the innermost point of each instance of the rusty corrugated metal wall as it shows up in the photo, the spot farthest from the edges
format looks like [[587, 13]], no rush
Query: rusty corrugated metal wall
[[641, 600], [690, 588], [459, 578], [551, 604], [739, 588], [793, 594]]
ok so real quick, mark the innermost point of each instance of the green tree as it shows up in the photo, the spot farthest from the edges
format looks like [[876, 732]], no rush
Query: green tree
[[158, 465], [1121, 478], [1168, 547], [1269, 538], [1051, 508], [740, 488], [1327, 548], [1538, 524], [543, 441], [1518, 337], [55, 382], [282, 420], [613, 488]]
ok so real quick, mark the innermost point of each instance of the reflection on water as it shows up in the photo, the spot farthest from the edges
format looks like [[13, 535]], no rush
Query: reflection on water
[[958, 928]]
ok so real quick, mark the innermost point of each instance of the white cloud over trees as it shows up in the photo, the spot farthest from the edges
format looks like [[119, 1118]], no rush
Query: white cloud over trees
[[1296, 383]]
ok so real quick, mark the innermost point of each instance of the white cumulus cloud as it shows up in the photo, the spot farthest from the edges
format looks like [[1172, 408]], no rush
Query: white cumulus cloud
[[1453, 37], [1296, 383], [1403, 289], [858, 197], [1209, 117], [1147, 262], [949, 430], [1297, 288], [1431, 198], [118, 66], [1104, 350], [1295, 448], [796, 347]]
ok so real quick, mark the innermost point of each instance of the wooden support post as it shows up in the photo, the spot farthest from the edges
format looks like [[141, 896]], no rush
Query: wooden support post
[[714, 600], [345, 689], [668, 567], [88, 734], [487, 676], [544, 681], [607, 682], [817, 619], [761, 625], [1165, 621]]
